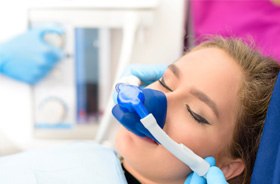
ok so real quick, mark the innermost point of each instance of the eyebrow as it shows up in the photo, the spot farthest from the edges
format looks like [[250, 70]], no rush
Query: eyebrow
[[174, 70], [207, 100], [195, 92]]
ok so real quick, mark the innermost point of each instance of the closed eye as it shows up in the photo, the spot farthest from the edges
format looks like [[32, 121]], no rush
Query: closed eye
[[162, 82], [196, 116]]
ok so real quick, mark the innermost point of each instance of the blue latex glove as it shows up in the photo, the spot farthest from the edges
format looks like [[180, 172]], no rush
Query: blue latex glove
[[147, 73], [214, 175], [28, 57]]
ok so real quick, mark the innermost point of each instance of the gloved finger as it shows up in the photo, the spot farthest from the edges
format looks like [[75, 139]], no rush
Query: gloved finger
[[51, 30], [148, 73], [33, 80], [41, 62], [35, 76], [211, 160], [53, 55], [215, 175], [189, 178], [36, 68], [30, 79], [52, 36], [196, 179]]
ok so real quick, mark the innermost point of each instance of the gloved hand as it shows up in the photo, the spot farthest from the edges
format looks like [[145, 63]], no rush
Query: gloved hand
[[28, 57], [214, 175], [147, 73]]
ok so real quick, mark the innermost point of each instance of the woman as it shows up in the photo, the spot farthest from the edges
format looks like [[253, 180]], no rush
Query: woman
[[217, 97]]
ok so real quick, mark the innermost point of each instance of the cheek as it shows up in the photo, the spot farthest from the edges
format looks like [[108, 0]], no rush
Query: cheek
[[204, 140], [122, 141]]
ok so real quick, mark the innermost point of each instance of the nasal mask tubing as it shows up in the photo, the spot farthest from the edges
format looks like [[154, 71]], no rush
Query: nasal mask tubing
[[131, 97]]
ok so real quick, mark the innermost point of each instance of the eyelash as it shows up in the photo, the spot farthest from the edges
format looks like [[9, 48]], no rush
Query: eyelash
[[162, 82], [197, 117]]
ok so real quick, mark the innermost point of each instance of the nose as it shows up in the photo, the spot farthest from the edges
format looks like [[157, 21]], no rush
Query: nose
[[171, 110]]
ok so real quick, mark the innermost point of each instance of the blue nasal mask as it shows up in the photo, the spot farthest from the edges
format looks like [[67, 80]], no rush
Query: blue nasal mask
[[133, 99], [143, 112]]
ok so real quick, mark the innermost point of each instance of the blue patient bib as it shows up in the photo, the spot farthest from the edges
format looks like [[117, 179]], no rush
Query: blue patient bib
[[78, 163]]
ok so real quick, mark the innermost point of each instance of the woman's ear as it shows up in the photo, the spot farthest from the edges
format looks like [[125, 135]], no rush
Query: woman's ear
[[233, 168]]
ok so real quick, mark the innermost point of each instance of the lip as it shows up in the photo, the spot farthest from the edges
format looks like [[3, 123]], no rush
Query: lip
[[142, 139]]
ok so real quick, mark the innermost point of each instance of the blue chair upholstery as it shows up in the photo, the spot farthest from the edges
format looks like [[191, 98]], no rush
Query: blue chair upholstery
[[267, 165]]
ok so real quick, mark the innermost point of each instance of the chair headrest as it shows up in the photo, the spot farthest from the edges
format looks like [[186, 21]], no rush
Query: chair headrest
[[267, 164]]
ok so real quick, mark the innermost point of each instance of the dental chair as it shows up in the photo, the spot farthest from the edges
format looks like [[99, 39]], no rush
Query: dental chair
[[267, 165]]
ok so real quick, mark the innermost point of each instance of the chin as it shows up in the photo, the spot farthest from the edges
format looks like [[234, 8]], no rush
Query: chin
[[128, 144], [144, 156]]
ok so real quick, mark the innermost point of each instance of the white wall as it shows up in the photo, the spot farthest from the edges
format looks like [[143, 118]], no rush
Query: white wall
[[164, 40]]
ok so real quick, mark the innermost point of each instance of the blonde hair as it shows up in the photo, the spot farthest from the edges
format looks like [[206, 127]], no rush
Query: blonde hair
[[260, 74]]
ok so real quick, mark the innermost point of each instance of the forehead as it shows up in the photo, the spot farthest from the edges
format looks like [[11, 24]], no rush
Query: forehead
[[210, 63], [214, 72]]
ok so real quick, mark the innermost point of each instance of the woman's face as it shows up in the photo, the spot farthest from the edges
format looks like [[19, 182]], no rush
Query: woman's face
[[202, 96]]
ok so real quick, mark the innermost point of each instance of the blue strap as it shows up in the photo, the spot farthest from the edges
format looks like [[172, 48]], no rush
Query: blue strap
[[267, 165]]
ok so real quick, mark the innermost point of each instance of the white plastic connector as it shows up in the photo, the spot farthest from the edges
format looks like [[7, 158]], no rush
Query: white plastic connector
[[183, 153]]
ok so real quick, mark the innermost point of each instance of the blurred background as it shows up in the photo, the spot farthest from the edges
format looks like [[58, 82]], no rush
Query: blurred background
[[69, 103]]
